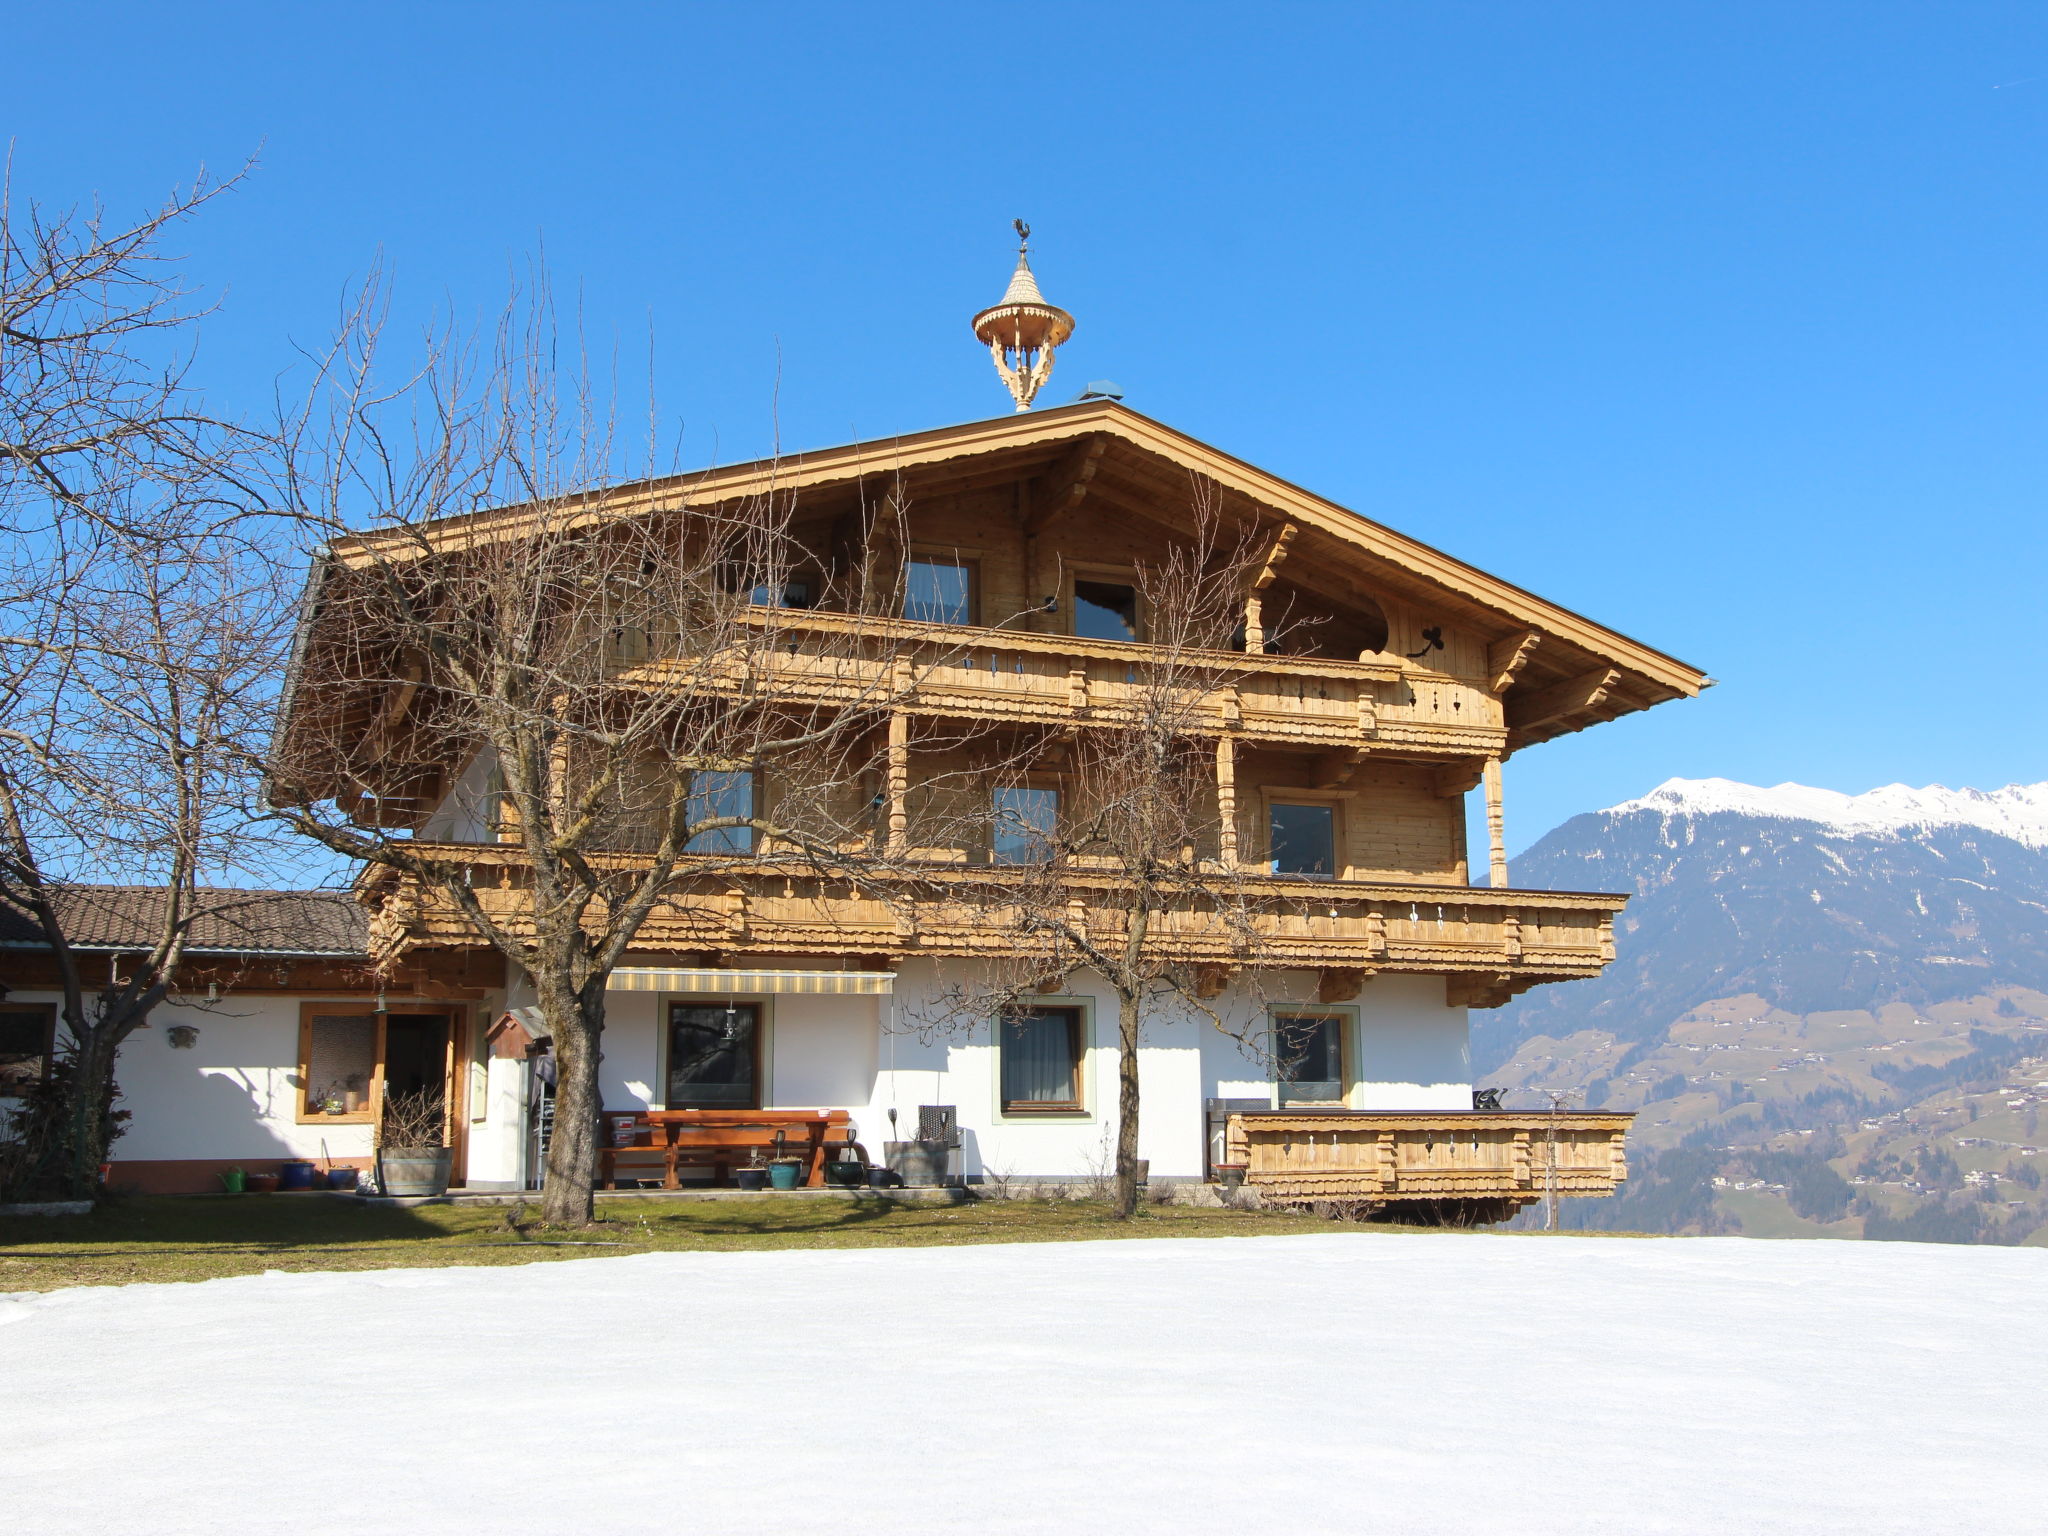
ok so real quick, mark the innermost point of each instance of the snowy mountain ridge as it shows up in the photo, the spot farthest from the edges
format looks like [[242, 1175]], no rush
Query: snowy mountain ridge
[[2018, 811]]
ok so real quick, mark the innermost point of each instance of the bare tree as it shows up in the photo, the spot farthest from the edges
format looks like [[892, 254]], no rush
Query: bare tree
[[549, 702], [140, 633], [1135, 878]]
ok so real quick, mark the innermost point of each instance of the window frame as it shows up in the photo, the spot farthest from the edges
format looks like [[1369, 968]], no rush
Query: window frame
[[1034, 784], [374, 1097], [49, 1051], [1104, 575], [1080, 1025], [751, 833], [764, 1017], [1346, 1020], [1338, 805], [969, 563]]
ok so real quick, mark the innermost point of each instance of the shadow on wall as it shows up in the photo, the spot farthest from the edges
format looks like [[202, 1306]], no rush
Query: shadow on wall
[[222, 1113]]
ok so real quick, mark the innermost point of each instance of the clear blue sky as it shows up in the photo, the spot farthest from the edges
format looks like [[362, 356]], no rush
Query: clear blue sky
[[1721, 323]]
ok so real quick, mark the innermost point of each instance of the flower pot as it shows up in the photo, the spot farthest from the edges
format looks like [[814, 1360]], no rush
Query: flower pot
[[785, 1173], [232, 1180], [341, 1178], [751, 1178], [260, 1183], [917, 1164], [295, 1175], [413, 1172], [847, 1175], [880, 1178], [1230, 1175]]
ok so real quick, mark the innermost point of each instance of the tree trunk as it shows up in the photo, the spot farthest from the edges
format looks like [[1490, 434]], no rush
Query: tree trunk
[[1125, 1204], [577, 1021], [86, 1137]]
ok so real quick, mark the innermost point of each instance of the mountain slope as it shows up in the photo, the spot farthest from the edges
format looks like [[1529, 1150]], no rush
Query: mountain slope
[[1858, 980]]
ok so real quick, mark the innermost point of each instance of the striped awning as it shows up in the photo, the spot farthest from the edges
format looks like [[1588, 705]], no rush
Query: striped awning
[[724, 983]]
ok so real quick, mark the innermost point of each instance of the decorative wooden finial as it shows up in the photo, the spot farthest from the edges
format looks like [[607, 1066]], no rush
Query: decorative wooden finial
[[1023, 331]]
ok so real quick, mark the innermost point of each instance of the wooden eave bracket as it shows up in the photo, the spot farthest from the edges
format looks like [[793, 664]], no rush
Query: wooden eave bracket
[[1506, 658], [1454, 779], [1274, 557], [1575, 695], [1334, 770], [1067, 486]]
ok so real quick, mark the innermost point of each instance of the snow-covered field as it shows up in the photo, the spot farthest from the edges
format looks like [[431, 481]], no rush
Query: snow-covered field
[[1356, 1382]]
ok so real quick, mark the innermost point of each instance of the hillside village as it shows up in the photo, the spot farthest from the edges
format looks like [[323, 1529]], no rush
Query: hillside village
[[1917, 1119]]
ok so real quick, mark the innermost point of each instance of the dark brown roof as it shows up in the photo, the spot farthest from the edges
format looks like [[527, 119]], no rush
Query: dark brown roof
[[126, 917]]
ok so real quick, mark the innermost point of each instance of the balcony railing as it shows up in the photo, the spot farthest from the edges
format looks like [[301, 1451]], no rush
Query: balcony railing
[[1014, 675], [1504, 939], [1294, 1155]]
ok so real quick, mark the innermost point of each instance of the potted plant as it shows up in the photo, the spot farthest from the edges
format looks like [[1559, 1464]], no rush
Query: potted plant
[[413, 1156], [260, 1183], [754, 1175], [1231, 1175], [785, 1173]]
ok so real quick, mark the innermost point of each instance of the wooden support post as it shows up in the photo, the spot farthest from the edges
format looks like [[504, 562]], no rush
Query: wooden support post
[[899, 782], [1496, 834], [1226, 801], [1254, 627]]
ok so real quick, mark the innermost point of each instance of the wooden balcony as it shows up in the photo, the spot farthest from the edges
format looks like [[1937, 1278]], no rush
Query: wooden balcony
[[1379, 701], [1495, 942], [1482, 1155]]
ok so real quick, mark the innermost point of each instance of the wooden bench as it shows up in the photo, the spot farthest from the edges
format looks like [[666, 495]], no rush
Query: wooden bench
[[664, 1140]]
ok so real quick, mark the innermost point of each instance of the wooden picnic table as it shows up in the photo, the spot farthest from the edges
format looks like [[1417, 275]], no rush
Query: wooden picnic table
[[719, 1136]]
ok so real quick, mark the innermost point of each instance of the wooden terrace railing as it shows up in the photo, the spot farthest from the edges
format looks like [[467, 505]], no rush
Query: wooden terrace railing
[[1399, 1155]]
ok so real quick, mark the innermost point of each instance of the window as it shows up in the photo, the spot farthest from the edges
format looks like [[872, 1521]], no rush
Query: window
[[714, 1056], [938, 591], [27, 1035], [351, 1056], [781, 594], [1025, 822], [341, 1052], [1105, 610], [715, 795], [1308, 1056], [1041, 1061], [1303, 840]]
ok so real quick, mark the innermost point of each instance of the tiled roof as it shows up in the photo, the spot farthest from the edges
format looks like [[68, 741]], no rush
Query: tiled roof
[[230, 922]]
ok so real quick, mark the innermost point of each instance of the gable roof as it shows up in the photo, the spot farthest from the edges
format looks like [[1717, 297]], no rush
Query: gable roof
[[232, 922], [1581, 672]]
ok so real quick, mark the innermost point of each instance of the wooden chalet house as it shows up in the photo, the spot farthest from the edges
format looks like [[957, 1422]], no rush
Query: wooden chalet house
[[1342, 769]]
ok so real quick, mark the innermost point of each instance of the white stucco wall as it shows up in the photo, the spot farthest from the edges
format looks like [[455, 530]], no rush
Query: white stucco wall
[[233, 1096], [1405, 1050]]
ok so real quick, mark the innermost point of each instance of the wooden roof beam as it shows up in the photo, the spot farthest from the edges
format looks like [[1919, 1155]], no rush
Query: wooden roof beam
[[1574, 695], [1066, 487]]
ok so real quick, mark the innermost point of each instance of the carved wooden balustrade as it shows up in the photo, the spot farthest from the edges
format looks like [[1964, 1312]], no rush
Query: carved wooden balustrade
[[1018, 676], [1492, 942], [1483, 1155]]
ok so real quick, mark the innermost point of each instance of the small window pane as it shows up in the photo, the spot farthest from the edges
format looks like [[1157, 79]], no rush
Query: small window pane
[[716, 794], [1309, 1059], [786, 594], [1025, 821], [24, 1048], [1041, 1059], [1105, 610], [937, 592], [1304, 841], [712, 1050]]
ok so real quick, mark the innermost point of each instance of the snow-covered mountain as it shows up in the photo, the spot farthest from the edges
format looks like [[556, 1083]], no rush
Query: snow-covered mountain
[[1799, 961], [2019, 811]]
